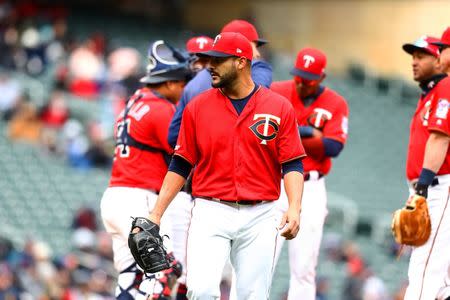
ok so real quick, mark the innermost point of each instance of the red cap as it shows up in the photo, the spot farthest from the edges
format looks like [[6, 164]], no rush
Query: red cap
[[199, 44], [445, 39], [244, 28], [229, 44], [310, 64], [424, 43]]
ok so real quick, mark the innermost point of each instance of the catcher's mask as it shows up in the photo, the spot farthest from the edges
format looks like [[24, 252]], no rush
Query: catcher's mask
[[165, 63]]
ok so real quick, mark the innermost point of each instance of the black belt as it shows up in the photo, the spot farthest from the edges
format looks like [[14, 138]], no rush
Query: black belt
[[240, 202], [306, 176]]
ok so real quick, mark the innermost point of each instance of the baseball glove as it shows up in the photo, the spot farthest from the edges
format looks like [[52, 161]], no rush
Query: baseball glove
[[411, 225], [147, 246]]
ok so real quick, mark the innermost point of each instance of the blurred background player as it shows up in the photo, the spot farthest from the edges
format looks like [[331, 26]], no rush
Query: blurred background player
[[428, 171], [444, 51], [261, 71], [196, 45], [140, 163], [322, 116]]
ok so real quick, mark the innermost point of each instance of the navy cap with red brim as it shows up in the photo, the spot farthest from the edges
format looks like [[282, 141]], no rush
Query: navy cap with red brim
[[303, 74]]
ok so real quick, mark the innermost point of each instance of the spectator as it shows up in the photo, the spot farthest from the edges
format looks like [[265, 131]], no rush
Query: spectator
[[25, 124], [373, 287], [10, 91]]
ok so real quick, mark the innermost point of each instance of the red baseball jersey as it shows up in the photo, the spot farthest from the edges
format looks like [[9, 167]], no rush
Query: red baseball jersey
[[238, 157], [148, 123], [328, 113], [431, 114], [439, 117]]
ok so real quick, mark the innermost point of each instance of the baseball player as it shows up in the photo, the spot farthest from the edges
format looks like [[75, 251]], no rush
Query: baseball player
[[428, 172], [261, 74], [237, 137], [444, 51], [180, 215], [140, 163], [196, 45], [322, 116]]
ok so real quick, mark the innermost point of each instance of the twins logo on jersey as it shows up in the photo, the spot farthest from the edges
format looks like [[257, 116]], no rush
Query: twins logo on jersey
[[319, 117], [266, 127]]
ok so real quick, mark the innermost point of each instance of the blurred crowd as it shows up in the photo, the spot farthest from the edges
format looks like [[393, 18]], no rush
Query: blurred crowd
[[37, 46], [34, 271]]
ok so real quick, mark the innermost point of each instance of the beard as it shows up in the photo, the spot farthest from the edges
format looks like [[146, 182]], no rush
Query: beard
[[225, 80]]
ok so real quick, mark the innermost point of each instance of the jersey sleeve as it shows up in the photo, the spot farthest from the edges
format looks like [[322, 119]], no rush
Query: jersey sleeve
[[175, 124], [186, 144], [337, 127], [439, 112], [262, 73], [289, 144]]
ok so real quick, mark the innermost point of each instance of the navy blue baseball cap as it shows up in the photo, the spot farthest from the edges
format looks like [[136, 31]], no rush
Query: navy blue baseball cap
[[165, 63]]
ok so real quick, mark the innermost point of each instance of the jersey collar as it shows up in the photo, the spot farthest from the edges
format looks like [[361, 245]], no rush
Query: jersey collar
[[429, 84]]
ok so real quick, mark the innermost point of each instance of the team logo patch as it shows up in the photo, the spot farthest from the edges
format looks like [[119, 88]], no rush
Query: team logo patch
[[319, 118], [266, 127], [442, 109]]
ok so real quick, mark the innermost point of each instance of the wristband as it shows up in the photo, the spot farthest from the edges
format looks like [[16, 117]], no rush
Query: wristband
[[426, 177]]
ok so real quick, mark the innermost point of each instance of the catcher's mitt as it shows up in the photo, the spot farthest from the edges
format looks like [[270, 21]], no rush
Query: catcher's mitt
[[147, 247], [411, 225]]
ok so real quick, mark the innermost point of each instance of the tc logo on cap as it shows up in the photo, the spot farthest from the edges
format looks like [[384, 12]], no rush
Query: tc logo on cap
[[308, 60]]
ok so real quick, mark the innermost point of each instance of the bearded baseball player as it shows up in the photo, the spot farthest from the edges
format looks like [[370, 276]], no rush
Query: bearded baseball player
[[322, 117], [238, 137], [139, 167], [428, 172], [180, 215]]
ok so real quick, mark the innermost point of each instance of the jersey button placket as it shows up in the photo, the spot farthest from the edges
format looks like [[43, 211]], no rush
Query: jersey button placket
[[237, 162]]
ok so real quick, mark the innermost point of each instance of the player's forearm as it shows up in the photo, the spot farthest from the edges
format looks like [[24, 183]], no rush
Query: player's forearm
[[172, 184], [293, 184], [435, 151]]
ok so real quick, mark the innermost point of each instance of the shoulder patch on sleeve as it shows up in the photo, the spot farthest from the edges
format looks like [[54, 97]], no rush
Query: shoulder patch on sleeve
[[442, 108]]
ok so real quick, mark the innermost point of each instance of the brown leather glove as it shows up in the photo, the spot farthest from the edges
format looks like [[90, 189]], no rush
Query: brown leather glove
[[411, 225]]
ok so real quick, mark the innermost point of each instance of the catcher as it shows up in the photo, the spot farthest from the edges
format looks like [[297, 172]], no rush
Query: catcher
[[425, 221], [137, 173]]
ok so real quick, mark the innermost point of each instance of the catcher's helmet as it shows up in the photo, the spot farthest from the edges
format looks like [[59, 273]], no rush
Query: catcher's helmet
[[165, 63]]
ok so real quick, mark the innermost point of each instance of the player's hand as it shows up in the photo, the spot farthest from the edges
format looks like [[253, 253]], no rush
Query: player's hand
[[256, 53], [290, 224]]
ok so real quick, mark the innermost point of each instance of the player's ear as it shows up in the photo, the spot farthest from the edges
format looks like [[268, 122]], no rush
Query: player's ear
[[242, 63]]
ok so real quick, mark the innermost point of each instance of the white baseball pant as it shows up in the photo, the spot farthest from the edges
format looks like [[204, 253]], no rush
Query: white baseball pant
[[179, 214], [245, 234], [429, 265], [304, 248], [117, 206]]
